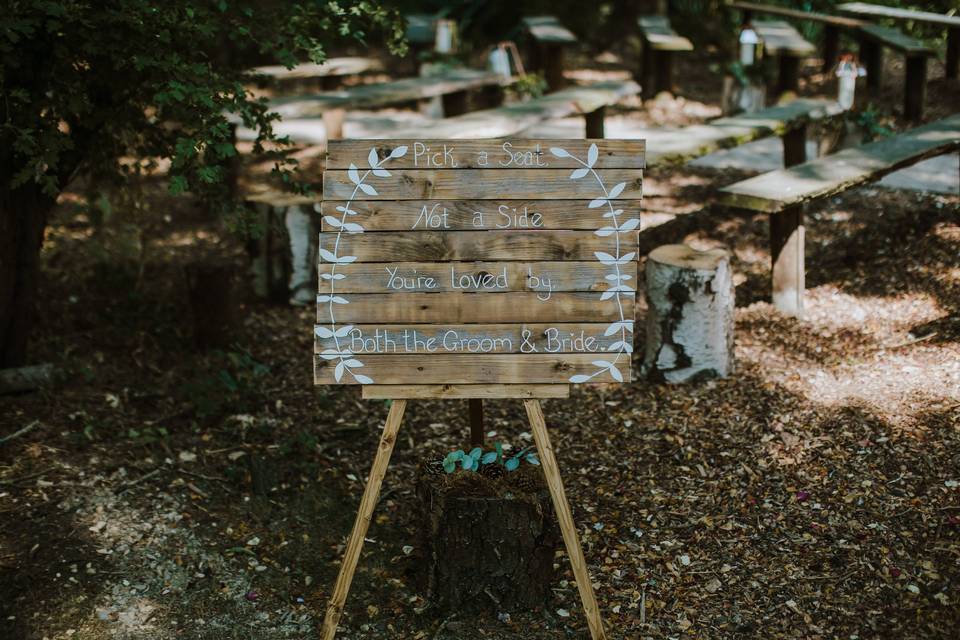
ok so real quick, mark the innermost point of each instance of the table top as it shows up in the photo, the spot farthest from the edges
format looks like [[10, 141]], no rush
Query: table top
[[879, 10], [780, 38]]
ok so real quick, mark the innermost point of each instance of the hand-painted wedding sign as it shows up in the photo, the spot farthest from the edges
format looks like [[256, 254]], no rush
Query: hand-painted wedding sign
[[478, 261]]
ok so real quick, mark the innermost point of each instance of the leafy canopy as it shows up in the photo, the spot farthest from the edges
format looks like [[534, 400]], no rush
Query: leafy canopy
[[85, 84]]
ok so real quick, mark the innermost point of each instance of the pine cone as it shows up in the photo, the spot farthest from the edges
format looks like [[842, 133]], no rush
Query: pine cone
[[433, 469], [492, 471]]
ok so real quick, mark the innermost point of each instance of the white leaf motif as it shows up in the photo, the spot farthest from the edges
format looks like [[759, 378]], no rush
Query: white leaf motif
[[368, 189], [339, 300], [579, 173], [599, 202], [353, 363], [343, 331], [627, 257], [604, 231], [381, 173], [605, 258], [609, 293], [338, 372], [352, 174], [333, 222], [352, 227], [399, 152], [579, 378], [613, 214], [592, 154], [349, 212], [373, 159], [329, 354], [616, 190], [616, 374], [629, 225], [559, 153], [602, 364], [362, 379], [322, 332]]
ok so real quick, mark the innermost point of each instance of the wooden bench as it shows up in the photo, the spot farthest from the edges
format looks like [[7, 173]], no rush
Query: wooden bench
[[873, 38], [327, 74], [831, 25], [951, 23], [783, 194], [782, 40], [788, 121], [549, 40], [659, 42], [453, 86]]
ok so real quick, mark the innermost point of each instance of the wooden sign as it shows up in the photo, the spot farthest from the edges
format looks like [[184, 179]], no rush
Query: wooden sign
[[478, 262]]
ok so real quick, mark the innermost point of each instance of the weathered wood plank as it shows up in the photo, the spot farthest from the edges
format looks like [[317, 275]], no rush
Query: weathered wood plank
[[474, 369], [548, 29], [780, 38], [345, 66], [464, 308], [462, 215], [500, 153], [814, 16], [474, 338], [441, 277], [825, 176], [895, 39], [467, 184], [881, 11], [660, 35], [436, 246], [385, 93], [463, 391], [682, 144]]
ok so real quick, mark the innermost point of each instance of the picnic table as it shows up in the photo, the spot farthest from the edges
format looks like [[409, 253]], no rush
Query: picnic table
[[782, 40], [951, 23], [660, 41]]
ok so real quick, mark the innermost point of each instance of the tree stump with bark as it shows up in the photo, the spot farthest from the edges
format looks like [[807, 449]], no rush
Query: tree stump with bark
[[690, 303], [488, 543]]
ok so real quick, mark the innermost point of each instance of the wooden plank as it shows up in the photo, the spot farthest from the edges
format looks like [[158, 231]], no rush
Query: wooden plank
[[679, 145], [345, 66], [814, 16], [562, 337], [511, 119], [895, 39], [462, 308], [536, 368], [780, 38], [385, 93], [462, 215], [658, 33], [467, 184], [463, 391], [571, 539], [499, 153], [442, 277], [368, 503], [881, 11], [832, 174], [434, 246], [548, 29]]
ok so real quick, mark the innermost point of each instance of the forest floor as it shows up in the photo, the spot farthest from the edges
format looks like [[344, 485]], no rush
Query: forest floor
[[164, 492]]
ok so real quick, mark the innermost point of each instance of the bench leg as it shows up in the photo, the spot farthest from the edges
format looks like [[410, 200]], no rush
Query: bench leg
[[491, 96], [795, 146], [871, 56], [953, 53], [646, 71], [786, 249], [454, 104], [664, 72], [595, 123], [915, 89], [831, 47], [333, 121], [789, 74], [553, 66]]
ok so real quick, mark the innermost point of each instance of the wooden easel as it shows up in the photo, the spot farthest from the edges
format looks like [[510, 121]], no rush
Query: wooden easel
[[399, 394]]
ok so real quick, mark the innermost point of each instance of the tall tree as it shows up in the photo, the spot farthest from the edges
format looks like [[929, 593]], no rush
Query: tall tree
[[86, 83]]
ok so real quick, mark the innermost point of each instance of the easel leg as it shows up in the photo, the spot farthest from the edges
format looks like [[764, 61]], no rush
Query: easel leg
[[369, 501], [567, 527]]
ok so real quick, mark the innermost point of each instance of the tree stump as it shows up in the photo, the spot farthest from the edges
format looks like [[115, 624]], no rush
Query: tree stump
[[690, 303], [490, 542]]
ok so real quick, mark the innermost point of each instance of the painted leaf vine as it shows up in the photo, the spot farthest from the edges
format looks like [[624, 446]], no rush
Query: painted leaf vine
[[618, 287], [346, 360]]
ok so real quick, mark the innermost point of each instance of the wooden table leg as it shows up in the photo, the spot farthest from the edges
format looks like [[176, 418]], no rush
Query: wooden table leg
[[476, 422], [646, 68], [871, 55], [553, 66], [365, 512], [915, 88], [567, 527], [595, 123], [454, 104], [831, 47], [664, 73], [795, 146], [953, 53], [786, 249], [789, 77]]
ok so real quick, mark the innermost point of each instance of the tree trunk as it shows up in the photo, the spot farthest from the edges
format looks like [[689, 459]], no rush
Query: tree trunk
[[690, 303], [23, 218]]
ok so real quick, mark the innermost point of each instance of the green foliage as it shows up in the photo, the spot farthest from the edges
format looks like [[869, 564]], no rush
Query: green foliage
[[869, 120], [85, 83], [234, 384], [757, 74], [533, 85], [476, 458]]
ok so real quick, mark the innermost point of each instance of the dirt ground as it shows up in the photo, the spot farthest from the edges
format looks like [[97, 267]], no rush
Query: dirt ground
[[168, 493]]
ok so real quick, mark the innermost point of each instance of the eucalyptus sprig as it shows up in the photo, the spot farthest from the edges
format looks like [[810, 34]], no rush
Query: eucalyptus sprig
[[476, 457]]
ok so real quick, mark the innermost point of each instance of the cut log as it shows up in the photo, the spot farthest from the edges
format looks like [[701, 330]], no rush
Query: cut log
[[25, 378], [690, 304], [489, 542]]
